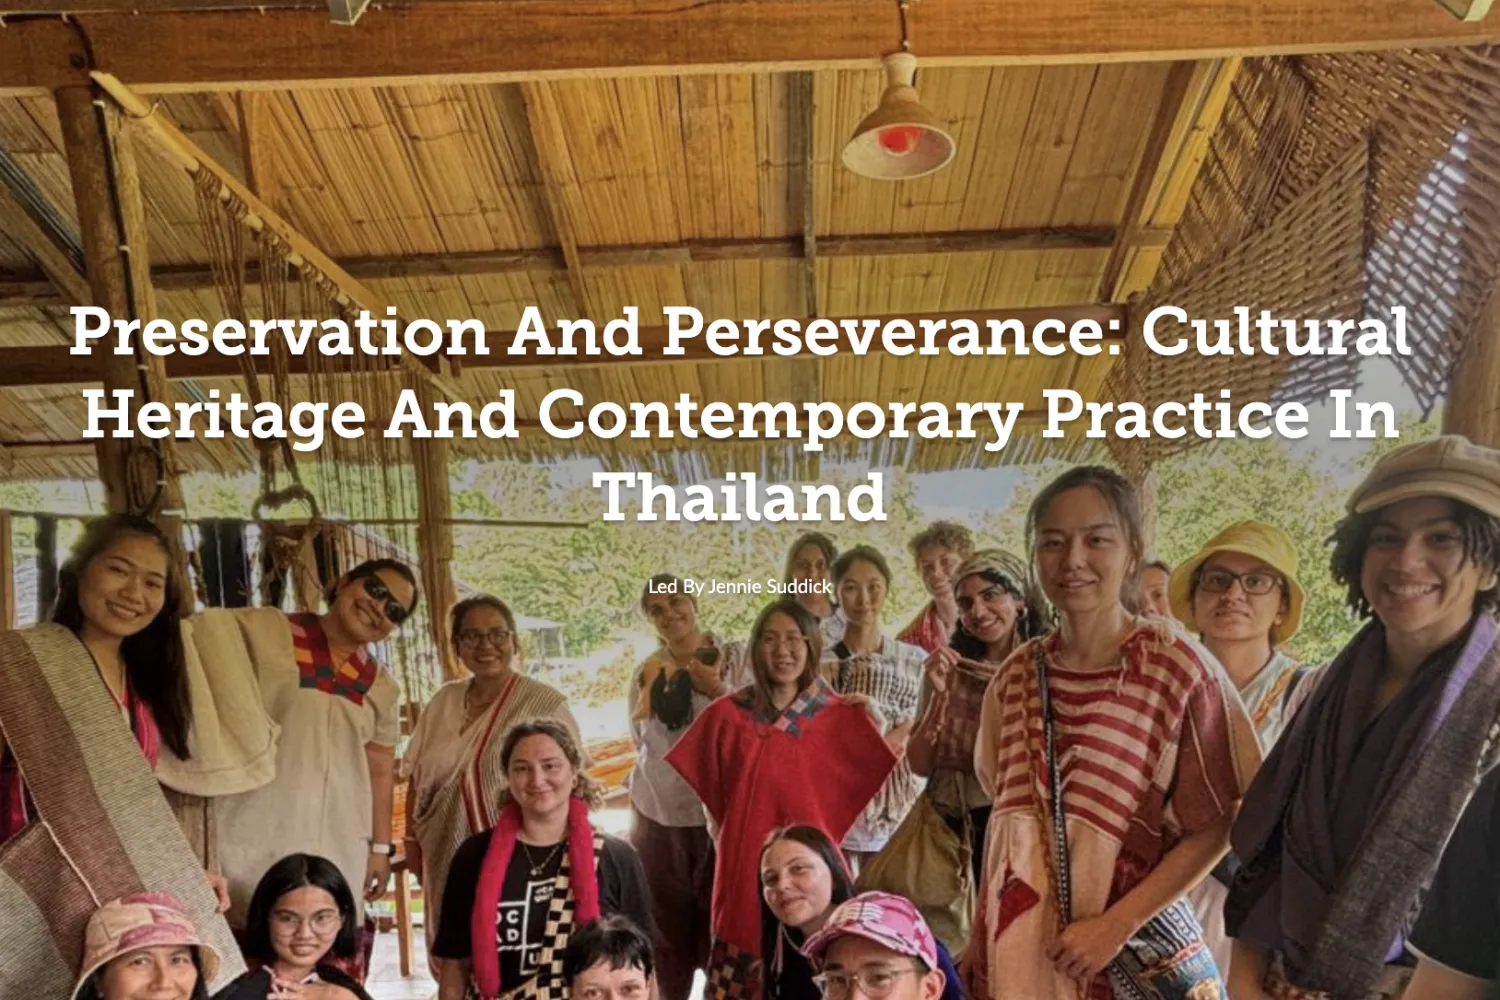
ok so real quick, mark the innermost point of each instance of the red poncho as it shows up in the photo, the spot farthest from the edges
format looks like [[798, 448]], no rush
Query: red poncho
[[819, 762]]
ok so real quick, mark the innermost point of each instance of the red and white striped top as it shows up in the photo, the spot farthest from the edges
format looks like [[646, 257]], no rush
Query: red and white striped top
[[1152, 749], [1124, 737]]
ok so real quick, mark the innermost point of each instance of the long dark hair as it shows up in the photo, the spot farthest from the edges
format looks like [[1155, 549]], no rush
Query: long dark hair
[[823, 846], [297, 871], [90, 989], [760, 691], [154, 659]]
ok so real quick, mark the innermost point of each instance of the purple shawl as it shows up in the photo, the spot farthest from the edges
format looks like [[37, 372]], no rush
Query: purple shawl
[[1449, 743]]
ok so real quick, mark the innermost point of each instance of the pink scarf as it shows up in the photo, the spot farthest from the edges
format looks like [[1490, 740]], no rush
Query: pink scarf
[[484, 921]]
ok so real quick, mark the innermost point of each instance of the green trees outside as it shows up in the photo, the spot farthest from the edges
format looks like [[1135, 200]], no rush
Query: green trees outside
[[590, 577]]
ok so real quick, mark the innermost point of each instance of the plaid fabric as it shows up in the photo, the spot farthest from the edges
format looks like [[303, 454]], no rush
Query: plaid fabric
[[732, 974], [315, 662], [960, 724], [892, 678], [926, 631], [808, 704]]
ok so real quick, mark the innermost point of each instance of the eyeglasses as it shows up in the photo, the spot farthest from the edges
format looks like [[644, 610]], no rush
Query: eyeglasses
[[395, 612], [1256, 582], [324, 922], [794, 642], [498, 637], [873, 983]]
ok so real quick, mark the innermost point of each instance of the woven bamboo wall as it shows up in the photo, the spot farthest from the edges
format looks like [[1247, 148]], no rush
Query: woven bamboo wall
[[1338, 186]]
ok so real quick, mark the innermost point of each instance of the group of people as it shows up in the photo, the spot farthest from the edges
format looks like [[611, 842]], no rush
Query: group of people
[[1119, 767]]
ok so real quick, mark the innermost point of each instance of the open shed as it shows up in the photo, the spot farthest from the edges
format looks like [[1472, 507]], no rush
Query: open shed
[[458, 158]]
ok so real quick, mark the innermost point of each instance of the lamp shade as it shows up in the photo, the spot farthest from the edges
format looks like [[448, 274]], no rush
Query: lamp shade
[[900, 138]]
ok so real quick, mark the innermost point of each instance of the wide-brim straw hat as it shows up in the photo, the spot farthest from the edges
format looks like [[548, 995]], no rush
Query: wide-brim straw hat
[[1448, 466], [141, 920], [1255, 539]]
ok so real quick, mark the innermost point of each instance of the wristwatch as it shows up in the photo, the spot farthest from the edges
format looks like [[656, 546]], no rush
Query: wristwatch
[[385, 849]]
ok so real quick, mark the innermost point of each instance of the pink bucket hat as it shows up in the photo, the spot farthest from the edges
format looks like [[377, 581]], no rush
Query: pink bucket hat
[[889, 921], [141, 920]]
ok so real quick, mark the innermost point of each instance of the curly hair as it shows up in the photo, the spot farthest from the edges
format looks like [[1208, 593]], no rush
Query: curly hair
[[946, 534], [584, 787], [1351, 540]]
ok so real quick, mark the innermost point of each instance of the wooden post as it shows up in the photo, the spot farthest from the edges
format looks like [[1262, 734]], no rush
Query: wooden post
[[138, 478], [7, 574], [1473, 406], [435, 536], [112, 228], [1144, 481]]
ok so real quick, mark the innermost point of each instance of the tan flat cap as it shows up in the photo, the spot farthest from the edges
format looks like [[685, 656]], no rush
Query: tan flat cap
[[1449, 466]]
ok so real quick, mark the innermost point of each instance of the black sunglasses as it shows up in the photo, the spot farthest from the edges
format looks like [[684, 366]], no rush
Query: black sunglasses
[[395, 612]]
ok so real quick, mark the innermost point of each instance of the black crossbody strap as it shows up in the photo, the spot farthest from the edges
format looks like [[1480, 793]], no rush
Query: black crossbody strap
[[1054, 787]]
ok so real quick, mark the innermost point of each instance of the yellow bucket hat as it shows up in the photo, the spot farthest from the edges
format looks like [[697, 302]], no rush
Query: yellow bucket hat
[[1257, 540]]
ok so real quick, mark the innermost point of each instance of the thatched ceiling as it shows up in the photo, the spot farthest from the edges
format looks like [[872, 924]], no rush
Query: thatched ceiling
[[588, 194]]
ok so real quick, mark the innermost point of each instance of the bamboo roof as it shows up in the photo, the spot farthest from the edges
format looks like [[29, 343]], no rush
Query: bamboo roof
[[584, 194]]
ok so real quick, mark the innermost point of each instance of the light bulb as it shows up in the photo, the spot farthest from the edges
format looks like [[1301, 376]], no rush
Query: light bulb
[[899, 140]]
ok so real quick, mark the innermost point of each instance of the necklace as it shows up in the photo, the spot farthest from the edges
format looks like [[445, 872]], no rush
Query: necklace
[[472, 711], [538, 869]]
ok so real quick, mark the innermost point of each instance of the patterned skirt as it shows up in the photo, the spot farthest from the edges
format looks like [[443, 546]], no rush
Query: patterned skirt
[[733, 974]]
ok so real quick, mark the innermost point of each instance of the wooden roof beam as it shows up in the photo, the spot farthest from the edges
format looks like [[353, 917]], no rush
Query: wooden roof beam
[[803, 142], [1175, 150], [19, 221], [31, 288], [53, 364], [455, 41], [180, 148]]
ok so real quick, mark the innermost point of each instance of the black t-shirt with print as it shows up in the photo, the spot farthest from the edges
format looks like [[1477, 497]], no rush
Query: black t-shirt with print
[[524, 900], [1460, 922]]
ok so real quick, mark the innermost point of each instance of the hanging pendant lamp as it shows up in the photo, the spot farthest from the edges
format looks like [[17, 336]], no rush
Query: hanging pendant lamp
[[900, 139]]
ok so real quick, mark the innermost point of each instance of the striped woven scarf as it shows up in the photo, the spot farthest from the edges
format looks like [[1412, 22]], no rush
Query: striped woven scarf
[[103, 828]]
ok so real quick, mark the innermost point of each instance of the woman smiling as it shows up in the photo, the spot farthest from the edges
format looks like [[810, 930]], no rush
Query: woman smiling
[[91, 703], [674, 685], [1114, 758], [302, 915], [144, 947], [1344, 825], [1241, 594], [456, 775], [506, 920], [335, 758], [784, 748], [870, 666]]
